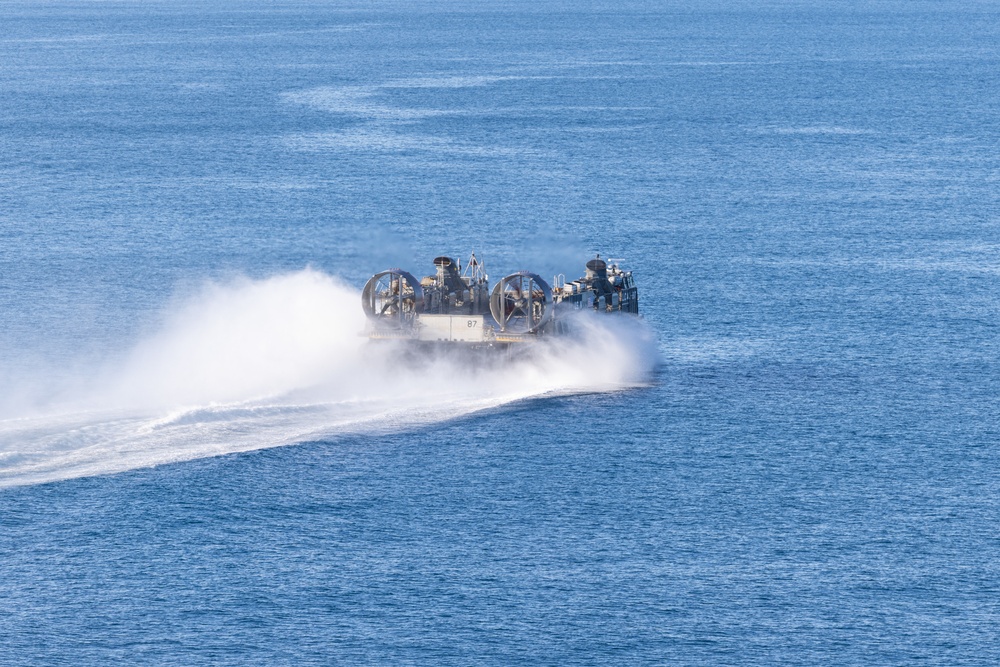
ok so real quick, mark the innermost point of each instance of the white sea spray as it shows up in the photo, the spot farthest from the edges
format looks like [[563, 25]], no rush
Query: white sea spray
[[250, 364]]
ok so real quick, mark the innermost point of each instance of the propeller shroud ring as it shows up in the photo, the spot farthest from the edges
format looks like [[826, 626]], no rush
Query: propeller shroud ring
[[521, 303], [392, 299]]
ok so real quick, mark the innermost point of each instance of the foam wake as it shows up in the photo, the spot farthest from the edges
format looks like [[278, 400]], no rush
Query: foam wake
[[255, 364]]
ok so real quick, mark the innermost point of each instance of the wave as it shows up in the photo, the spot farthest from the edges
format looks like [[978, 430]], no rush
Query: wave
[[252, 364]]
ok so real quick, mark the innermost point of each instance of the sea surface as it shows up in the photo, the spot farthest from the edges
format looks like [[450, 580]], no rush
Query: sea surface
[[794, 459]]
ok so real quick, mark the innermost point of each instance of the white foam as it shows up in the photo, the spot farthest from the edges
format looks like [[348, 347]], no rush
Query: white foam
[[477, 81], [361, 101], [818, 130], [386, 140], [254, 364]]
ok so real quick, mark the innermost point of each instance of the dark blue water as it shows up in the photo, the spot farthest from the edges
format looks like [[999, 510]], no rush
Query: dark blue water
[[807, 193]]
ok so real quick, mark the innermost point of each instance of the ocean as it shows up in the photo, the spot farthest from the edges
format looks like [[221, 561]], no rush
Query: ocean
[[790, 460]]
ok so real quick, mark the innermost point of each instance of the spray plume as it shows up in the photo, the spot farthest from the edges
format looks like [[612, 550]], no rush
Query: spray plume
[[254, 364]]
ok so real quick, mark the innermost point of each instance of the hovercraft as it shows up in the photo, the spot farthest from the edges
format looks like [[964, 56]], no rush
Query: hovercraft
[[456, 306]]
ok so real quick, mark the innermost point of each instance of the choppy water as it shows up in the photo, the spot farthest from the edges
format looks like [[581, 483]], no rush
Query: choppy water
[[803, 471]]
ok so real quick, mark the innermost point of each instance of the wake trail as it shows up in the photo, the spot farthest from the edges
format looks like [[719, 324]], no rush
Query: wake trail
[[263, 363]]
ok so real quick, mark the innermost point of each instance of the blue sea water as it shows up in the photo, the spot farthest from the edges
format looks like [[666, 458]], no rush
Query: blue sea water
[[805, 472]]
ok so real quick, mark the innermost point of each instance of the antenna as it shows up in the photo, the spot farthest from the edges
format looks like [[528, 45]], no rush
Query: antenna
[[475, 270]]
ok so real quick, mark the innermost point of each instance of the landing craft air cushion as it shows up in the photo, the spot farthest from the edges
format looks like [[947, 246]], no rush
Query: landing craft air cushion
[[456, 305]]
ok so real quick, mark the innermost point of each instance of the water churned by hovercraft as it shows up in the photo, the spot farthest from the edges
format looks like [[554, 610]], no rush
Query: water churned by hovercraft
[[261, 363]]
